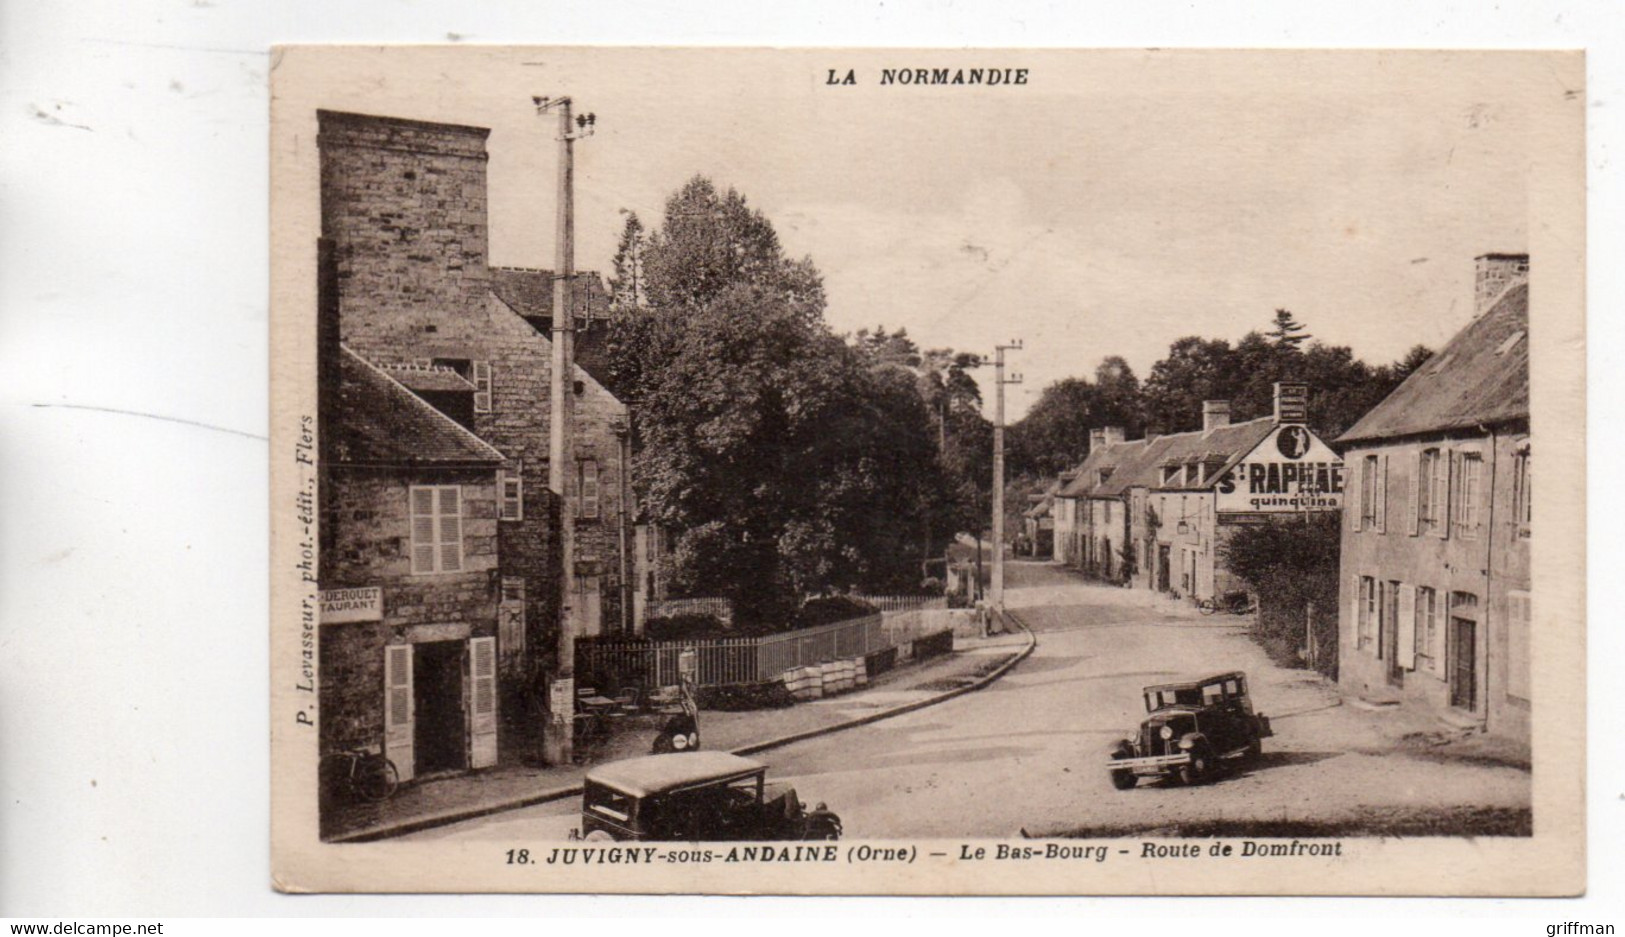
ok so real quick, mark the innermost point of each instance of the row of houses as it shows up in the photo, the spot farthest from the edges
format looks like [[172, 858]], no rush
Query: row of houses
[[1433, 490], [1154, 513], [440, 538]]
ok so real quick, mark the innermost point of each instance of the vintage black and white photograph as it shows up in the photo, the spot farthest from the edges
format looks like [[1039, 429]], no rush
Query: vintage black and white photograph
[[926, 471]]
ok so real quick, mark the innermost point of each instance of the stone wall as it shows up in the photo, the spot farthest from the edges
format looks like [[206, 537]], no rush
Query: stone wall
[[405, 204], [367, 542]]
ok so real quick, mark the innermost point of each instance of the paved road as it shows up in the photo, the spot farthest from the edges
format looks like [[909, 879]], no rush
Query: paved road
[[1027, 752]]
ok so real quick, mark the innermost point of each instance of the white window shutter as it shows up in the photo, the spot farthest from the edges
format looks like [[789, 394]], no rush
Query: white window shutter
[[1407, 626], [423, 539], [1448, 458], [398, 725], [1356, 492], [1417, 482], [451, 529], [1382, 493], [483, 699], [1354, 613], [482, 387]]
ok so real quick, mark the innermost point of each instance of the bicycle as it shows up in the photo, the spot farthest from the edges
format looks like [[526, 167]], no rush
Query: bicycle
[[361, 774]]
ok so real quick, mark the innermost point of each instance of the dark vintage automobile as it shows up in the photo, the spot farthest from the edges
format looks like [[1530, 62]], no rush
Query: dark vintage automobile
[[1193, 729], [696, 797]]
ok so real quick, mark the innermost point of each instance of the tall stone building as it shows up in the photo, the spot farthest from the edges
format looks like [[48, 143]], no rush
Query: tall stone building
[[1435, 589], [408, 569], [404, 204]]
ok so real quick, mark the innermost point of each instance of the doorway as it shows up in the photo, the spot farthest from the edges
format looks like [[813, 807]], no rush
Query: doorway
[[1464, 664], [1163, 562], [437, 681]]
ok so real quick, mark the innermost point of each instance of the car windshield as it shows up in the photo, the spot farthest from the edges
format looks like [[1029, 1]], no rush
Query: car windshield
[[608, 802], [1182, 696]]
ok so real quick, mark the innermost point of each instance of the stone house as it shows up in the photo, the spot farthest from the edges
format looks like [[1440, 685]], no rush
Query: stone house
[[1435, 603], [1188, 493], [410, 587], [404, 204]]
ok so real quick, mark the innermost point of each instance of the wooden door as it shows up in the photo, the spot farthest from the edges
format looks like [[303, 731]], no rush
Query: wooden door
[[1464, 664]]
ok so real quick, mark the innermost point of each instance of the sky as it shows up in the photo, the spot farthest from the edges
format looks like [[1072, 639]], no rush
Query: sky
[[1116, 202]]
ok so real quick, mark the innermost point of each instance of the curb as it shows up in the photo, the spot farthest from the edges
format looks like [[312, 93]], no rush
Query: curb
[[558, 793]]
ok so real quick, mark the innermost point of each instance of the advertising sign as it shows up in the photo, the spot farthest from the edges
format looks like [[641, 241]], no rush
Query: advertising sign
[[1290, 471], [342, 605]]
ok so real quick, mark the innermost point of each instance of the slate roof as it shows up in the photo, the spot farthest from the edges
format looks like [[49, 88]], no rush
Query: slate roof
[[1223, 447], [424, 378], [1480, 377], [1138, 463], [530, 293], [380, 422]]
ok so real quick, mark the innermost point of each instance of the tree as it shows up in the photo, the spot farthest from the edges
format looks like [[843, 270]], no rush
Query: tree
[[1287, 332], [1196, 369], [627, 285], [785, 461]]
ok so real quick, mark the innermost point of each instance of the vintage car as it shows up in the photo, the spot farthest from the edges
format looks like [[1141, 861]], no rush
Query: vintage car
[[694, 797], [1193, 729]]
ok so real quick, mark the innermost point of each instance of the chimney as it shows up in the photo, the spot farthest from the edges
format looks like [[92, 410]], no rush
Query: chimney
[[1291, 402], [1493, 274], [1097, 439], [1215, 413], [1112, 435]]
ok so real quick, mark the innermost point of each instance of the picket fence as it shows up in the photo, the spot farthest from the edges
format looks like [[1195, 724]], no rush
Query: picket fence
[[903, 603], [725, 661]]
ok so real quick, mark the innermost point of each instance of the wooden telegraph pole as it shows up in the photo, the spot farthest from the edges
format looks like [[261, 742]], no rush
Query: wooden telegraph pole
[[996, 598], [558, 739]]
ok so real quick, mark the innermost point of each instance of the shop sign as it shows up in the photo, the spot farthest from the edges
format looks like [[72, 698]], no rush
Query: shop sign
[[1290, 471], [344, 605]]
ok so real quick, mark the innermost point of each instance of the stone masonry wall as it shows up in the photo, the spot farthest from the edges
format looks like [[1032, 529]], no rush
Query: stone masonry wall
[[414, 278], [367, 542]]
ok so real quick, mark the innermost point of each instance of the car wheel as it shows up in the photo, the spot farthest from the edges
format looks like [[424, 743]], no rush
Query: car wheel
[[1124, 780], [1255, 751], [599, 836], [826, 829], [1199, 767]]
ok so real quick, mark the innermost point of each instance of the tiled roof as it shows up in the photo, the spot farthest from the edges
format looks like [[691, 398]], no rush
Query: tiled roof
[[1480, 377], [421, 378], [377, 421]]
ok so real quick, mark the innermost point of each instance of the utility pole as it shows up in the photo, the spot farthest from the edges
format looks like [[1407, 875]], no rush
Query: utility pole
[[999, 380], [558, 739]]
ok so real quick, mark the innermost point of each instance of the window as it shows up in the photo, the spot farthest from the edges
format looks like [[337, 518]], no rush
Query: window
[[587, 488], [1518, 678], [1170, 475], [511, 492], [1468, 483], [477, 373], [437, 528], [1368, 491], [1521, 491], [1429, 636], [1365, 612], [1432, 490]]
